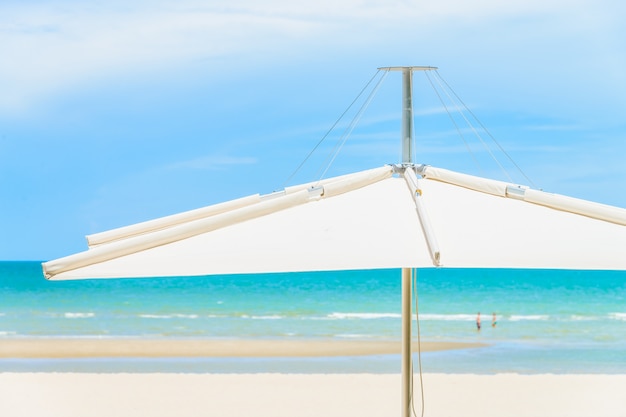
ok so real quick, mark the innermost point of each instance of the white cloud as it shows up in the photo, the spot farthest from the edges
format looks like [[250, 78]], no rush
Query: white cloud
[[52, 46], [555, 127], [213, 162], [46, 51]]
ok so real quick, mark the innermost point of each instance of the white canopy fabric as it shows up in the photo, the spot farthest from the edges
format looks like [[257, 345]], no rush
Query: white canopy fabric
[[383, 218]]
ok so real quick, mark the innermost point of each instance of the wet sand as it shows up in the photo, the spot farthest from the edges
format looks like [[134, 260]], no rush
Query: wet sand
[[98, 348]]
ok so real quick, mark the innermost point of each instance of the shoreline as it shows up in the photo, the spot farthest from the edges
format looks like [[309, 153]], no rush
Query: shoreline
[[60, 348]]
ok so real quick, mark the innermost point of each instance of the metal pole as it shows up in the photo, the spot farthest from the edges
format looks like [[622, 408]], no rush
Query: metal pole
[[407, 108], [407, 273], [407, 276], [407, 158], [407, 116]]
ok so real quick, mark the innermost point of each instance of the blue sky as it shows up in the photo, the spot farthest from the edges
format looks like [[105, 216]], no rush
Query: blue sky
[[113, 112]]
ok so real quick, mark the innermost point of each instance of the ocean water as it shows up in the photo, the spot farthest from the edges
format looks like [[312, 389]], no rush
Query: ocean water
[[547, 321]]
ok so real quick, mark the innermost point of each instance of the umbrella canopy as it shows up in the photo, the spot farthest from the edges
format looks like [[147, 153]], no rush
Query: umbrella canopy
[[406, 216]]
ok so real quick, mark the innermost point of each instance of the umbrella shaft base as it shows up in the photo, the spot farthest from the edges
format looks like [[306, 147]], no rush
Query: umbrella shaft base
[[407, 276]]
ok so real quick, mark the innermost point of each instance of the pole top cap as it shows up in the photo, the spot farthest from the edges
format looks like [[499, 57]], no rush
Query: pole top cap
[[410, 68]]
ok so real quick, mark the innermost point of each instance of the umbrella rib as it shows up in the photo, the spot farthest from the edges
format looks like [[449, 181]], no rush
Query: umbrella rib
[[180, 229], [586, 208], [431, 240]]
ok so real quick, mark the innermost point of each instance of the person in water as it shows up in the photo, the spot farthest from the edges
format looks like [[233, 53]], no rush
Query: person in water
[[478, 321], [493, 320]]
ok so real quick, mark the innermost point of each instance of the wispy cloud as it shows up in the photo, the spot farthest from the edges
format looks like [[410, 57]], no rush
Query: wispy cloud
[[555, 127], [48, 47], [213, 162]]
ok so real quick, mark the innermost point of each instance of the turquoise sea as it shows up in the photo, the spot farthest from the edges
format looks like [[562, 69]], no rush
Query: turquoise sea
[[547, 321]]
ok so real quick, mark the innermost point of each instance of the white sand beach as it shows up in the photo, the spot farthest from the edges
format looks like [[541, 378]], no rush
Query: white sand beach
[[289, 395]]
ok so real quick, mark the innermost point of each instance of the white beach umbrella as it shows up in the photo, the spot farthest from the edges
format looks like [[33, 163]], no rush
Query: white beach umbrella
[[397, 216], [387, 217]]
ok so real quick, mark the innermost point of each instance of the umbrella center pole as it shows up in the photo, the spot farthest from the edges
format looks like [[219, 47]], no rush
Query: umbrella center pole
[[407, 116], [407, 278], [407, 108]]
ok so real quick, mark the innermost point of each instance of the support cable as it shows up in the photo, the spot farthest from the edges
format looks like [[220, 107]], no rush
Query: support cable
[[456, 126], [344, 137], [519, 169], [476, 133], [330, 130]]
